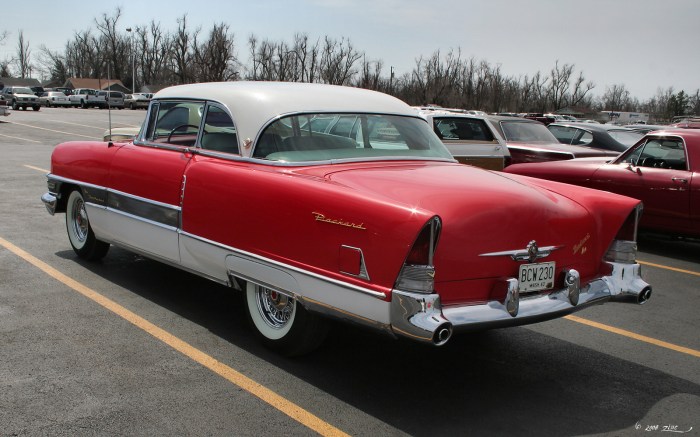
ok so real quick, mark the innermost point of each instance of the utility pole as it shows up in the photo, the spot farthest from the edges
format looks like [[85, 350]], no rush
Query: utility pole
[[133, 61]]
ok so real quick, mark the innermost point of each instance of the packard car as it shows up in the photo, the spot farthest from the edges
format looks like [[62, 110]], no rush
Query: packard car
[[320, 201]]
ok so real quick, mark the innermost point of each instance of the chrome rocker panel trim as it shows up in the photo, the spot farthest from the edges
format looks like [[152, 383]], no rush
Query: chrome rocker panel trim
[[421, 316]]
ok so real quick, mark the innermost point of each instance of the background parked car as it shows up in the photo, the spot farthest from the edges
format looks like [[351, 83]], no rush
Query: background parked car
[[54, 98], [21, 97], [661, 170], [137, 100], [469, 138], [599, 136], [646, 128], [530, 141], [110, 99], [4, 109], [83, 97], [37, 90]]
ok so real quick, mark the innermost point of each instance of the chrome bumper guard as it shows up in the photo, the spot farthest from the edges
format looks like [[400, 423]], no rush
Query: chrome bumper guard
[[50, 202], [421, 316]]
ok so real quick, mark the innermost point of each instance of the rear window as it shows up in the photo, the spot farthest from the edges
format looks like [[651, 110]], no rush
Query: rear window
[[328, 136]]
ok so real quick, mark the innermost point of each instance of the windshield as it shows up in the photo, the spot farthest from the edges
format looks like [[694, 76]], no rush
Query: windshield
[[628, 138], [525, 132], [23, 91], [327, 136]]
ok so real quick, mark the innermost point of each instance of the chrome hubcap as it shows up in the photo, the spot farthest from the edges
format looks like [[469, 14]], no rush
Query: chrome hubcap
[[80, 220], [275, 308]]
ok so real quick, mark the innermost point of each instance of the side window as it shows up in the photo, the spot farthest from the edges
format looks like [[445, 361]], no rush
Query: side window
[[219, 132], [585, 138], [460, 128], [175, 122], [659, 153], [564, 134], [663, 153]]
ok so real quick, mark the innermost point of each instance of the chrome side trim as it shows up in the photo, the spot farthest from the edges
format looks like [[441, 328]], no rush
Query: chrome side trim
[[262, 259], [148, 210]]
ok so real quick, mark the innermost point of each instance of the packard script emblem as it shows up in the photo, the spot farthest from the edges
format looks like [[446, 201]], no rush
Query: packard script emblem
[[322, 218]]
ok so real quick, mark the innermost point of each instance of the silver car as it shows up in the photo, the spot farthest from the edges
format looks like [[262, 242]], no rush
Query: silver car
[[54, 98]]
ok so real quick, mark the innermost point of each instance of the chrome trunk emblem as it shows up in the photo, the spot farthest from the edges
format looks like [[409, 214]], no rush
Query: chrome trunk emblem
[[531, 253]]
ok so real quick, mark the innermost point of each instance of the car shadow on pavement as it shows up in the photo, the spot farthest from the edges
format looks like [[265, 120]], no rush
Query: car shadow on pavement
[[683, 249], [503, 382]]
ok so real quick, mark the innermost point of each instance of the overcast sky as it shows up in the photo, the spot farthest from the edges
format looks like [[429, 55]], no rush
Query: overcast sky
[[642, 44]]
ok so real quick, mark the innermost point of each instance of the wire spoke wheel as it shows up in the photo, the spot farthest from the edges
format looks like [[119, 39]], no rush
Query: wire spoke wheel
[[80, 234], [282, 323]]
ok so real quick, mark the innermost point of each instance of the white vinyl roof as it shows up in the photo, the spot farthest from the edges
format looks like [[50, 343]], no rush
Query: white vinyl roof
[[254, 104]]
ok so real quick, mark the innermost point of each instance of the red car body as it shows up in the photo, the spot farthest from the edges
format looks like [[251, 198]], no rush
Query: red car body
[[249, 185], [529, 140], [664, 178]]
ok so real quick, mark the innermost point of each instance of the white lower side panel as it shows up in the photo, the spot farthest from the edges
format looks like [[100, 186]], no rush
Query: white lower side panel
[[332, 296], [127, 230]]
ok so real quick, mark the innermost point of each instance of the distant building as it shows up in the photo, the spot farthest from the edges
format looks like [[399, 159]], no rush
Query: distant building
[[153, 88], [96, 84], [13, 81]]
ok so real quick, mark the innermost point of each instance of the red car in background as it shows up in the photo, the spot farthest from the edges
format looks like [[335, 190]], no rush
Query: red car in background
[[661, 170], [530, 141]]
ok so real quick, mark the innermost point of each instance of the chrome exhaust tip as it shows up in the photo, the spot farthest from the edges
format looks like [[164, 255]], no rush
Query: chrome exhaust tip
[[442, 334], [644, 296]]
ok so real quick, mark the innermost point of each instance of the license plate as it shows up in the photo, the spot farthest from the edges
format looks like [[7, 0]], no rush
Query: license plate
[[536, 277]]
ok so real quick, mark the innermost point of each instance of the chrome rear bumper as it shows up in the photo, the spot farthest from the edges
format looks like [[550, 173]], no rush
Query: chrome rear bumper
[[422, 317], [50, 202]]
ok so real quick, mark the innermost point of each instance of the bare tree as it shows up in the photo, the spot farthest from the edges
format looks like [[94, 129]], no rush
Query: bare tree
[[114, 45], [370, 75], [615, 97], [337, 62], [557, 94], [153, 48], [23, 59], [215, 58], [53, 64], [182, 58]]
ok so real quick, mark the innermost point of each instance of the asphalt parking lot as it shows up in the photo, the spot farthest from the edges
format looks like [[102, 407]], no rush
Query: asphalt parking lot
[[128, 346]]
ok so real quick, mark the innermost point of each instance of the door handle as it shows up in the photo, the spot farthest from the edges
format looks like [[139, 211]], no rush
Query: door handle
[[680, 180]]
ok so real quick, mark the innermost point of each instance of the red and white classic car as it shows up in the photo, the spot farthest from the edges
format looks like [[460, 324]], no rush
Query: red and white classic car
[[319, 200], [662, 170]]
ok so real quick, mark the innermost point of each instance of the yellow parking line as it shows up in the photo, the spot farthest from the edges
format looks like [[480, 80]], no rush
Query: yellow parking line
[[36, 168], [263, 393], [629, 334], [660, 266], [53, 130]]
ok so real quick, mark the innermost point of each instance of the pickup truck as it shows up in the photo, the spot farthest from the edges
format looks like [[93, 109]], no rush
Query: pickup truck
[[84, 97]]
